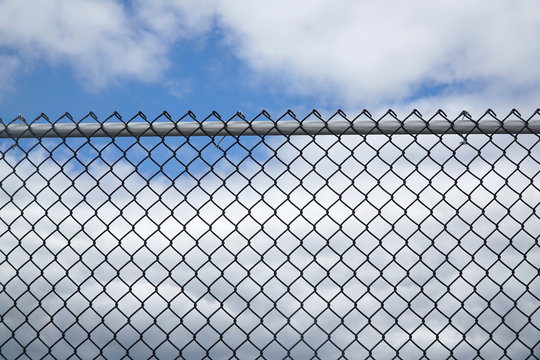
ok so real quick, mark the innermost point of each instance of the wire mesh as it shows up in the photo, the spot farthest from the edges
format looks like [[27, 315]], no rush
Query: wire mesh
[[289, 246]]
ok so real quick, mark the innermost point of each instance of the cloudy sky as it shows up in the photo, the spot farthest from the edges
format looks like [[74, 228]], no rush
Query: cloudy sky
[[105, 55], [317, 246]]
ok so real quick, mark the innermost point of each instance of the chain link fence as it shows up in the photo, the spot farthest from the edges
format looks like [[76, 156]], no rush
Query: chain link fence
[[272, 238]]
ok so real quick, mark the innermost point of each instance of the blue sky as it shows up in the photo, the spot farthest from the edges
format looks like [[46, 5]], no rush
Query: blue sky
[[203, 75], [174, 55], [201, 80]]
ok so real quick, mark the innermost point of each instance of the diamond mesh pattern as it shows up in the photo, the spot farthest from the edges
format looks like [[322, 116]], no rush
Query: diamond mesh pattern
[[334, 246]]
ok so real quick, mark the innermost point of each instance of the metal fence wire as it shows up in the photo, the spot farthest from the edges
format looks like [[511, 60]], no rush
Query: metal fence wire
[[317, 237]]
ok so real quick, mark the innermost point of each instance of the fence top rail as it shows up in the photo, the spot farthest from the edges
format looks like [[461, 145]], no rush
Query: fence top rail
[[239, 126]]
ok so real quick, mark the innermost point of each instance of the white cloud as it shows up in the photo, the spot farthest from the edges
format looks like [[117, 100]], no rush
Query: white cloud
[[367, 53], [101, 40]]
